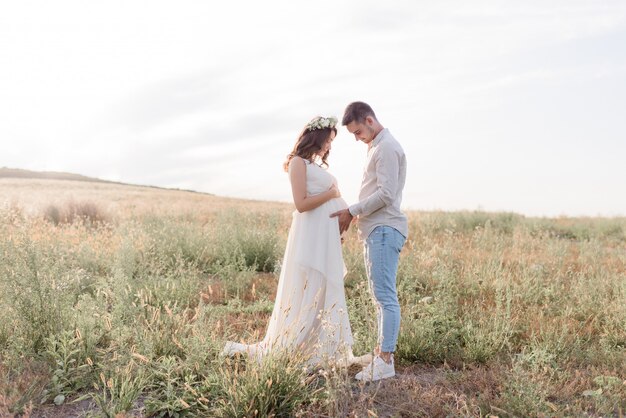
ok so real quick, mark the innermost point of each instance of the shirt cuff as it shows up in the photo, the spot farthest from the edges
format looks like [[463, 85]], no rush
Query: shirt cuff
[[354, 210]]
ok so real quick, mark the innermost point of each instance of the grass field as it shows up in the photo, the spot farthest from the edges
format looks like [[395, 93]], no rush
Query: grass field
[[116, 301]]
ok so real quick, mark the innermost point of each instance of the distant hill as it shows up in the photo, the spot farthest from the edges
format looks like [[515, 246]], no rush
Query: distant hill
[[18, 173], [49, 175]]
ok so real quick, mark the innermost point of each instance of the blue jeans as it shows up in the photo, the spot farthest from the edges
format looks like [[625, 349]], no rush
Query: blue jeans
[[382, 253]]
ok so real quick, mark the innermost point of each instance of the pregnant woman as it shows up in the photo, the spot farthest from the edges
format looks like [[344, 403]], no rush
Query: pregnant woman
[[310, 316]]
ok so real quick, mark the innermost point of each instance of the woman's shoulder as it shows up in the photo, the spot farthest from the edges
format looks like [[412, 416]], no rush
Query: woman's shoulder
[[299, 161]]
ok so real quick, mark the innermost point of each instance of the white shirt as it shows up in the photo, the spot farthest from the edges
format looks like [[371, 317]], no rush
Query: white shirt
[[381, 188]]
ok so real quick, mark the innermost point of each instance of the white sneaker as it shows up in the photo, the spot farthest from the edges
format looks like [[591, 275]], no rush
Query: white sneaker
[[376, 370]]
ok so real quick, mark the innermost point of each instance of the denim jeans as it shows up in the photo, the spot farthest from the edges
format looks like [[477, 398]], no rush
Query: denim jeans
[[382, 252]]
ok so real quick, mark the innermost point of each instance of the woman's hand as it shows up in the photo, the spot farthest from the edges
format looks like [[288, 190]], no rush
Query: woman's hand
[[335, 191]]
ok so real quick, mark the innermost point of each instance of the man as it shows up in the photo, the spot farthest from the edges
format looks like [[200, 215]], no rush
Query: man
[[382, 227]]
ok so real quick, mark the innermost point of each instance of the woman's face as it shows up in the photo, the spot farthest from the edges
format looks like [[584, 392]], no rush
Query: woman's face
[[327, 145]]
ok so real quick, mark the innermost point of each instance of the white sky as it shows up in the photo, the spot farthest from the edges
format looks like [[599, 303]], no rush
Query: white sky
[[500, 105]]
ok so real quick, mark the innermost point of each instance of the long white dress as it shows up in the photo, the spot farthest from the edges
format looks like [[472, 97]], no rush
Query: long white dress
[[310, 315]]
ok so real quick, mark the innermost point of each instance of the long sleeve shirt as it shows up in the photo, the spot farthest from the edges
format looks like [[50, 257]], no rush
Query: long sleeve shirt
[[381, 187]]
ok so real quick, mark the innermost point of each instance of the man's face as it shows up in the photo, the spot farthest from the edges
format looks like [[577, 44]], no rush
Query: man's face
[[362, 131]]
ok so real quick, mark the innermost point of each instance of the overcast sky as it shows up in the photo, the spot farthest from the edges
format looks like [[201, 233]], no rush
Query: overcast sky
[[500, 105]]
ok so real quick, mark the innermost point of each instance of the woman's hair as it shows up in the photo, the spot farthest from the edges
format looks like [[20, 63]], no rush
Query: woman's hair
[[309, 143]]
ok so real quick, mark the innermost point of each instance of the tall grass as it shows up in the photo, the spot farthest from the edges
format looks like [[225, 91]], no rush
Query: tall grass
[[501, 314], [72, 211]]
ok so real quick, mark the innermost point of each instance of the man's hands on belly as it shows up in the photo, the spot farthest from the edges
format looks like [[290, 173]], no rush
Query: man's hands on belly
[[345, 218]]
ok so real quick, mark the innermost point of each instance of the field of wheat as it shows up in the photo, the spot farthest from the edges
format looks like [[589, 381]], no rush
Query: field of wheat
[[117, 300]]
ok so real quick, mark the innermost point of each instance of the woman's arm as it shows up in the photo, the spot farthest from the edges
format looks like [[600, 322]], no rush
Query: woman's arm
[[304, 203]]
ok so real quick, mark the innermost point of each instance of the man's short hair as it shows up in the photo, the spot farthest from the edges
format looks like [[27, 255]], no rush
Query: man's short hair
[[357, 112]]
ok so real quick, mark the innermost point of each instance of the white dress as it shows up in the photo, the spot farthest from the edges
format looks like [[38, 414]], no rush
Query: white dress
[[310, 314]]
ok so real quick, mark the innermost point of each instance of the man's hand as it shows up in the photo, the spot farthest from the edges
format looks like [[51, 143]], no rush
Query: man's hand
[[345, 218]]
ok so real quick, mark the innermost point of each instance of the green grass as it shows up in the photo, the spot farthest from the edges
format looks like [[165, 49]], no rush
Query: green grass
[[513, 316]]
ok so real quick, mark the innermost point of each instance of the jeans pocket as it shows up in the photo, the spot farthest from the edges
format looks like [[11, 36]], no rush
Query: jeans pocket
[[400, 240], [376, 236]]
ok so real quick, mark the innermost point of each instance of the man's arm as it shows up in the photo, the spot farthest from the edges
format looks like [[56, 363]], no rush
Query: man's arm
[[387, 172]]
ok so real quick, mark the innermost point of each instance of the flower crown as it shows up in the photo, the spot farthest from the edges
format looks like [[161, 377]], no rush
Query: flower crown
[[321, 123]]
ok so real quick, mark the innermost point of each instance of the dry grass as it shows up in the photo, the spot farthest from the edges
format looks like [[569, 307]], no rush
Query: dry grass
[[502, 315], [33, 196]]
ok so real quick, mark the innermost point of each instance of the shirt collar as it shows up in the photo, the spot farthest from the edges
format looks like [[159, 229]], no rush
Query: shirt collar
[[379, 137]]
